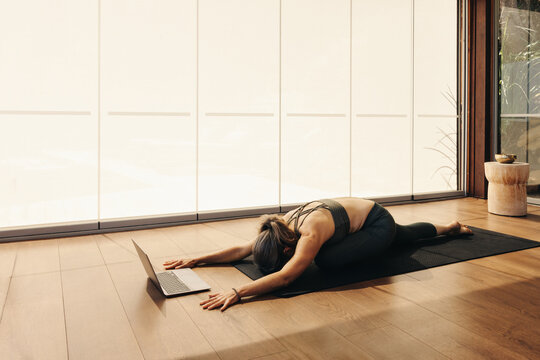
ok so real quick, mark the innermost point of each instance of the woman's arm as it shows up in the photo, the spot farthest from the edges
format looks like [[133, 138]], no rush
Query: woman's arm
[[222, 256], [306, 250]]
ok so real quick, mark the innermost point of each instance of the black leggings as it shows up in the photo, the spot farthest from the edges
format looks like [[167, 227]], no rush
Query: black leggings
[[379, 232]]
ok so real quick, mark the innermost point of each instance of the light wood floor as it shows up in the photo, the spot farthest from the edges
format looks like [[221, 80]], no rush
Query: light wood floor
[[88, 298]]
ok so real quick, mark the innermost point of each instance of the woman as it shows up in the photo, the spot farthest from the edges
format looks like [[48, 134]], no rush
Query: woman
[[331, 232]]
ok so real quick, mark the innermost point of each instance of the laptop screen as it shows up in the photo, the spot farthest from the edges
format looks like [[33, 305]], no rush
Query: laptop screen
[[147, 265]]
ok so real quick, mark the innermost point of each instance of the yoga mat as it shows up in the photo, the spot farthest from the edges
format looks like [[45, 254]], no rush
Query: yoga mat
[[424, 254]]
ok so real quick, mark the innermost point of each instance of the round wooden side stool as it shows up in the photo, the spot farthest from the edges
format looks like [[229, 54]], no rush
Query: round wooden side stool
[[507, 188]]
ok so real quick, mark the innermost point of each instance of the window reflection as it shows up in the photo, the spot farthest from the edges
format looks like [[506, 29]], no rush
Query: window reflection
[[519, 85]]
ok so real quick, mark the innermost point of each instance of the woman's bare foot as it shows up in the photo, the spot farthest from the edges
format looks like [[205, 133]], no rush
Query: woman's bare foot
[[455, 228]]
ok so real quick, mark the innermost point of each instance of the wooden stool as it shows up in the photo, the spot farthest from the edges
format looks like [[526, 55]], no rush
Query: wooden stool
[[507, 192]]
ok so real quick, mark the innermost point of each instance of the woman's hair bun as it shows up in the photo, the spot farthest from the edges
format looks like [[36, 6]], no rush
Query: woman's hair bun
[[267, 221], [269, 248]]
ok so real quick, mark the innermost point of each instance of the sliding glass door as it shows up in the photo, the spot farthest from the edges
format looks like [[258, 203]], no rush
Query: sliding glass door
[[519, 86]]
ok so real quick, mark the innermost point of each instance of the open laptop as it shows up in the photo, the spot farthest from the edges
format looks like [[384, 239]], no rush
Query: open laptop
[[172, 282]]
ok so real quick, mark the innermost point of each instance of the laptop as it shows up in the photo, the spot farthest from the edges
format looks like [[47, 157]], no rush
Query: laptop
[[172, 282]]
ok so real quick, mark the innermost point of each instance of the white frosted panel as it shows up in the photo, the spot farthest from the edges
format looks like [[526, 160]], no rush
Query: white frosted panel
[[238, 162], [148, 55], [381, 157], [435, 154], [148, 91], [382, 57], [435, 56], [147, 165], [239, 56], [315, 56], [381, 98], [435, 91], [315, 158], [49, 169], [48, 55], [48, 62], [238, 104]]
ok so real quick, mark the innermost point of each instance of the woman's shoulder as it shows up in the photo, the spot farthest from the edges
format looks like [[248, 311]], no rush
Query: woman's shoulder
[[318, 226]]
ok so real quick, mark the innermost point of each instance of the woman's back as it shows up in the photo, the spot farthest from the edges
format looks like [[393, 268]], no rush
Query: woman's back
[[321, 221]]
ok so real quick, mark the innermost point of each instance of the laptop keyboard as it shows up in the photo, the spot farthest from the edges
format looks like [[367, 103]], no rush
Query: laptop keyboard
[[172, 283]]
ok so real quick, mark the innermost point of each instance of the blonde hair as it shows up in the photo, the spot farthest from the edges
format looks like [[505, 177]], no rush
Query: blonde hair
[[269, 248]]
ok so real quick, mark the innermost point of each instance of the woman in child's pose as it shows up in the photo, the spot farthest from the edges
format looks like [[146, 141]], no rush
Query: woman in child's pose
[[331, 232]]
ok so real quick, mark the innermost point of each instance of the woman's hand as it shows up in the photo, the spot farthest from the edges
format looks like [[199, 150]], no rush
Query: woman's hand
[[224, 299], [180, 263]]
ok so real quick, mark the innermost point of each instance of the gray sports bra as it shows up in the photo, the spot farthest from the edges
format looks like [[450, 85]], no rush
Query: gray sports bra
[[341, 219]]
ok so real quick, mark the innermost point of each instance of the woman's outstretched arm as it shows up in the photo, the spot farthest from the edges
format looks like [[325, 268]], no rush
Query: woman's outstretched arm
[[222, 256], [305, 252]]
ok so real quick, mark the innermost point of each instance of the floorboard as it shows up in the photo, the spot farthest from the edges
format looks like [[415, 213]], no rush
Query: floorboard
[[97, 326], [32, 325], [303, 331], [79, 252], [113, 252], [389, 342], [163, 328], [432, 329], [35, 257], [8, 254], [234, 334]]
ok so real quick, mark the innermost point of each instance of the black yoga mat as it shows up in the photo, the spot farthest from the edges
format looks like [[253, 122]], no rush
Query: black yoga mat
[[427, 253]]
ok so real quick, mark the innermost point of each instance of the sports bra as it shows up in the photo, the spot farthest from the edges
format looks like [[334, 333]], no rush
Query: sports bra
[[341, 219]]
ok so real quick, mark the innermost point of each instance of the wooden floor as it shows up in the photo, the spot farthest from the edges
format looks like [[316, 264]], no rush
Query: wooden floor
[[88, 298]]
